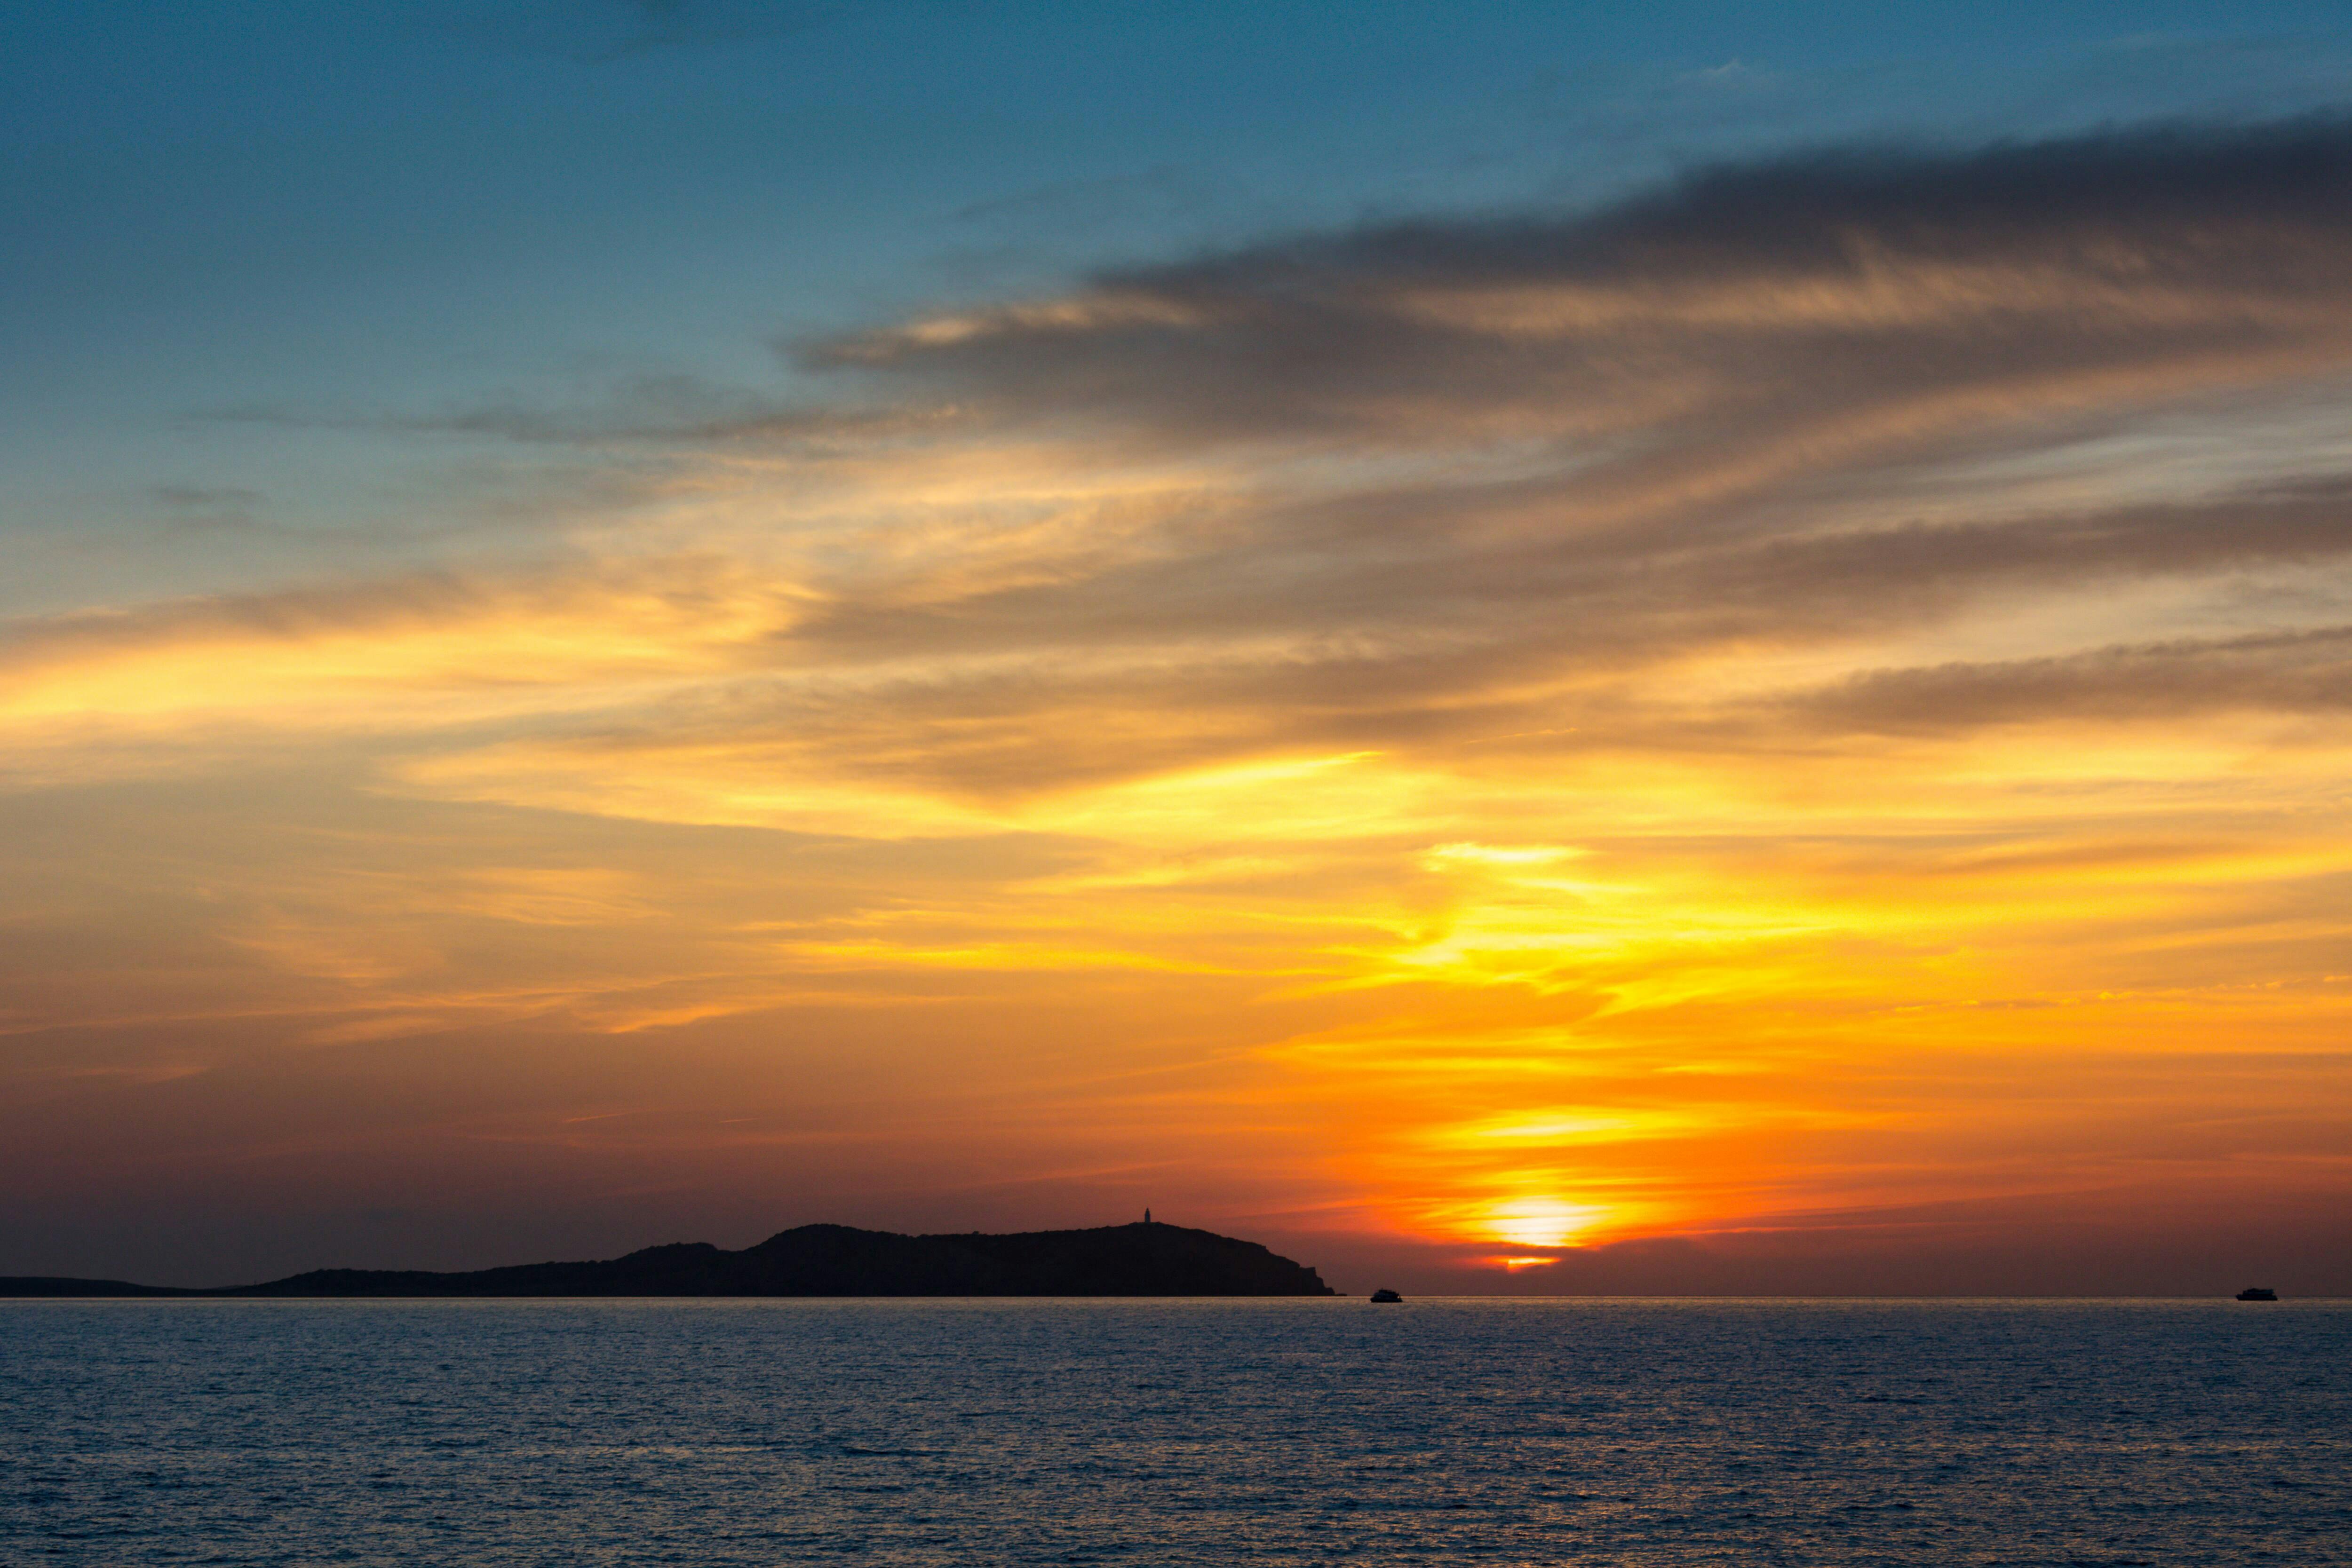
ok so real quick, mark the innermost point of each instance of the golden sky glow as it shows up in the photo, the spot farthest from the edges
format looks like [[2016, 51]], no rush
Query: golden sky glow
[[1489, 747]]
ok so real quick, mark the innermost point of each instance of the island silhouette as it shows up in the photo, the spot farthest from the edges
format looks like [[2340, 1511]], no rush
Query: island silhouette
[[1139, 1260]]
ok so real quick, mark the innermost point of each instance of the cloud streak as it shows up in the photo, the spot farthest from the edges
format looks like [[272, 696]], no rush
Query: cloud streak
[[1794, 288]]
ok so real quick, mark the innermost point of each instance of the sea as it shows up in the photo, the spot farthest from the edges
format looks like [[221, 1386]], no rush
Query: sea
[[1186, 1431]]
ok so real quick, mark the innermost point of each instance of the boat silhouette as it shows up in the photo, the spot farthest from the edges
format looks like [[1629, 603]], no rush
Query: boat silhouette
[[2258, 1293]]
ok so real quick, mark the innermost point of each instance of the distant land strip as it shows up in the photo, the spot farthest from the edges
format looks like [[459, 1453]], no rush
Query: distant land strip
[[1139, 1260]]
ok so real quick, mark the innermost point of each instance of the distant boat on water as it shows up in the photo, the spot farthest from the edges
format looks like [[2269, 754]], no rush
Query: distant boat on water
[[2258, 1293], [1386, 1296]]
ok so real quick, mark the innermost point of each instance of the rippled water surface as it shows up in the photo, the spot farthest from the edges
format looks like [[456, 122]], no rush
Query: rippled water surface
[[1150, 1432]]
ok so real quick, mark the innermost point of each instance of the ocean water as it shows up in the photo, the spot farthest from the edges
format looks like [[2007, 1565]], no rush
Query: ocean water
[[1622, 1431]]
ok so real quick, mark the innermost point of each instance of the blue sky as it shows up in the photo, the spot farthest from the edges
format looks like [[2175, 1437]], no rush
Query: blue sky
[[241, 240]]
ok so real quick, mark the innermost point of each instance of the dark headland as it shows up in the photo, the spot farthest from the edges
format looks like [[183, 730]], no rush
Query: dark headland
[[1143, 1260]]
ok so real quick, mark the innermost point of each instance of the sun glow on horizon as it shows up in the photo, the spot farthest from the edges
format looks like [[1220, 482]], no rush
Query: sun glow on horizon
[[1542, 1221]]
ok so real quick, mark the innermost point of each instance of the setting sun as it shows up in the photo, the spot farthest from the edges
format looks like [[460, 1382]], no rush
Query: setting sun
[[1541, 1221]]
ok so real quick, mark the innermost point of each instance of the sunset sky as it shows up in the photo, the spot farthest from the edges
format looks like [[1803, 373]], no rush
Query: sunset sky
[[1515, 647]]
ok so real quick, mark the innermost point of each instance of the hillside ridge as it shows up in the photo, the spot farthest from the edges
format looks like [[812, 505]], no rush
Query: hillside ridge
[[1144, 1258]]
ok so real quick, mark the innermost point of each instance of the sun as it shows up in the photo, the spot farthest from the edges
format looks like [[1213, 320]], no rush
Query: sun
[[1541, 1221]]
